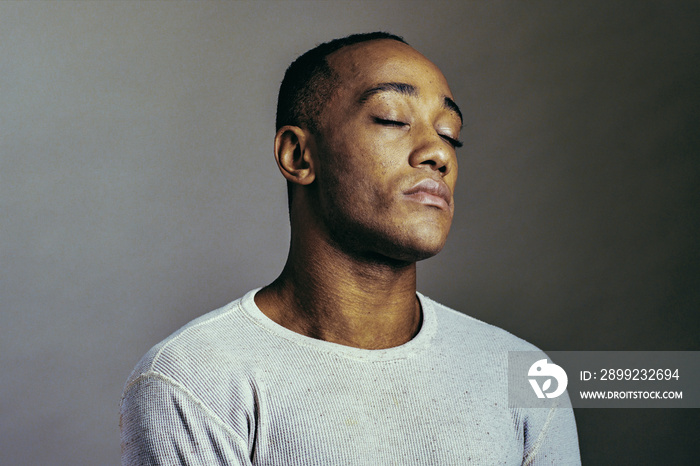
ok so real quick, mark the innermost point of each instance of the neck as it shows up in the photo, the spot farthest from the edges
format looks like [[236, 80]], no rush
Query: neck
[[327, 294]]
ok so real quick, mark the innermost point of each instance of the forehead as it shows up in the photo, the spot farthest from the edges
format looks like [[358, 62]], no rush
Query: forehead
[[362, 65]]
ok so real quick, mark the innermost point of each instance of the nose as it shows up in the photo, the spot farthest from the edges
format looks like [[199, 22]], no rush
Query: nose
[[432, 151]]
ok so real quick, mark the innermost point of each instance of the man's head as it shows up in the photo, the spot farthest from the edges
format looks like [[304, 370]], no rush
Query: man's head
[[371, 160]]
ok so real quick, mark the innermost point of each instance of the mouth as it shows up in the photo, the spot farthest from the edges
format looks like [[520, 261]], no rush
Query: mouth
[[431, 192]]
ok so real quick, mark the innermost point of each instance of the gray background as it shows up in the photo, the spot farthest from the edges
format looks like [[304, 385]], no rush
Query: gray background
[[138, 189]]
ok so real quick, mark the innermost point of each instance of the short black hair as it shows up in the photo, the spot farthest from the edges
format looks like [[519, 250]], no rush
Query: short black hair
[[309, 81]]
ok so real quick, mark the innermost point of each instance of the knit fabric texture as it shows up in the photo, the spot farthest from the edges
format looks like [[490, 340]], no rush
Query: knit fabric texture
[[234, 388]]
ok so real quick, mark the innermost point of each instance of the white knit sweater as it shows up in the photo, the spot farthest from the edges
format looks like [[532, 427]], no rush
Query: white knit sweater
[[235, 388]]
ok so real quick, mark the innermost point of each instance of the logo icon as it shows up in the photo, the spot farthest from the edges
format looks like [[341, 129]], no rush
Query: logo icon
[[542, 368]]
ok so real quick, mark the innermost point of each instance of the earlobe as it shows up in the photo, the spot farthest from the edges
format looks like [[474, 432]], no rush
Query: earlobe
[[294, 154]]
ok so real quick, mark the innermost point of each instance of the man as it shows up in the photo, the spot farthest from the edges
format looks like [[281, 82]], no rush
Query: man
[[339, 360]]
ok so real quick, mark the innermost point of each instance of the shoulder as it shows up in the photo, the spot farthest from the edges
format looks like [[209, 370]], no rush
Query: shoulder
[[482, 353], [463, 330], [193, 378], [220, 338]]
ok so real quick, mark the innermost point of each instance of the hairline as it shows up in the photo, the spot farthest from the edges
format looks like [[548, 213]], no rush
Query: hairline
[[320, 82]]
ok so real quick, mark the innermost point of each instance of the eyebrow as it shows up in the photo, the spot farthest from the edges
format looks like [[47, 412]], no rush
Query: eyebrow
[[407, 89], [401, 88]]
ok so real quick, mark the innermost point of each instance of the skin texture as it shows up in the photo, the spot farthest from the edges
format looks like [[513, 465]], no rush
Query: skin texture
[[358, 222]]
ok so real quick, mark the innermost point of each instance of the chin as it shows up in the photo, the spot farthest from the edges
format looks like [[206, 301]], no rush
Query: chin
[[429, 238], [426, 252], [403, 243], [416, 248]]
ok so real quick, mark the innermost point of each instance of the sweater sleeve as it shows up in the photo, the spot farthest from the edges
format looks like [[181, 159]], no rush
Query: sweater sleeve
[[552, 438], [163, 424]]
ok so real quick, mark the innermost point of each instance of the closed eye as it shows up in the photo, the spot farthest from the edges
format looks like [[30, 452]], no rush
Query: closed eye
[[383, 121], [456, 143]]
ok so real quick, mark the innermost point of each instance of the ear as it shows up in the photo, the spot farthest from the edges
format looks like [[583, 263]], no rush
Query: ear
[[295, 155]]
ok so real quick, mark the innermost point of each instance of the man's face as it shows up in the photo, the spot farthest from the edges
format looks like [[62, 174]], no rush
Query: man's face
[[386, 149]]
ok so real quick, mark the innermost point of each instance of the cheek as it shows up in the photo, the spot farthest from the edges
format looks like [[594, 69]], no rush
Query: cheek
[[361, 191], [363, 173]]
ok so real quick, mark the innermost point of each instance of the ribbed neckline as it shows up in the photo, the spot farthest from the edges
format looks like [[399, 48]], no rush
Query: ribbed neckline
[[408, 349]]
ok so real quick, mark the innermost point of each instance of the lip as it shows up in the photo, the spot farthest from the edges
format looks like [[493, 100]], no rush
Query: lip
[[432, 193]]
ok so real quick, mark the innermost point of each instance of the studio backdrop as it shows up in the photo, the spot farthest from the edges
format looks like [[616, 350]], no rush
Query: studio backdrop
[[138, 189]]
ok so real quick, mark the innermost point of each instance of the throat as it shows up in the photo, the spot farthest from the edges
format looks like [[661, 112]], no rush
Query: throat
[[360, 317], [365, 327]]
